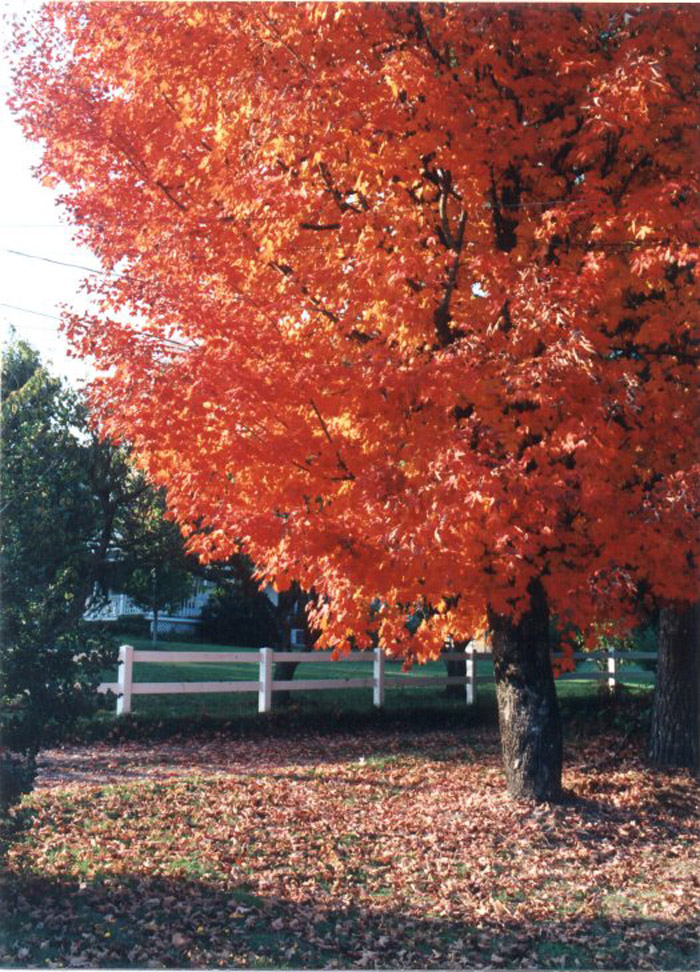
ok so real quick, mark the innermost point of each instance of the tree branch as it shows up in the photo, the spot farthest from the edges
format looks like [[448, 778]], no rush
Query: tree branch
[[288, 271], [319, 227], [341, 462], [442, 317], [644, 160]]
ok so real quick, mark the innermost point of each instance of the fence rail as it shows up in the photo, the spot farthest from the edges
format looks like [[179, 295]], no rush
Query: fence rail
[[125, 688]]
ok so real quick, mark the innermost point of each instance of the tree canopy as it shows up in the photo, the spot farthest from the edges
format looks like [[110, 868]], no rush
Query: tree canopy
[[399, 299]]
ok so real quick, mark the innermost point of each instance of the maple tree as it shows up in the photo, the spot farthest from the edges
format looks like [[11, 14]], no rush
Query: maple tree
[[398, 299]]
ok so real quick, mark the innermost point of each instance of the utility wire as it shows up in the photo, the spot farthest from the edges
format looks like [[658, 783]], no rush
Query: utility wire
[[55, 317], [104, 273], [26, 310], [584, 244], [594, 244], [64, 263]]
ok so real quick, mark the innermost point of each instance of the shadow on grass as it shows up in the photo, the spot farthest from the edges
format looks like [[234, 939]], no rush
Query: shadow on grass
[[412, 710], [142, 746], [298, 718], [134, 921], [123, 761]]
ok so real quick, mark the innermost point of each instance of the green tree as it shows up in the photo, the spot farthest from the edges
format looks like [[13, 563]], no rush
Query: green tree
[[62, 489], [154, 568]]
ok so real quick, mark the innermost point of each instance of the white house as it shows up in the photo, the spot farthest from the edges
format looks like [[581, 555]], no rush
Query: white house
[[184, 617]]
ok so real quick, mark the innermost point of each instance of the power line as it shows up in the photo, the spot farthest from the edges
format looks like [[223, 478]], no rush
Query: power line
[[63, 263], [26, 310], [107, 273], [78, 266], [625, 244], [55, 317]]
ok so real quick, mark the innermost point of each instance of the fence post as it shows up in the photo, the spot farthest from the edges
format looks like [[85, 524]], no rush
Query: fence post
[[378, 678], [471, 674], [265, 689], [125, 679], [612, 669]]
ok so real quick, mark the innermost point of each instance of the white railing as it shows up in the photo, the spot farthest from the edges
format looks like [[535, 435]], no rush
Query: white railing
[[610, 659], [265, 685]]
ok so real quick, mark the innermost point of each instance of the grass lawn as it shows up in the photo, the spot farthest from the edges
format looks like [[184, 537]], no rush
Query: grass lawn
[[410, 697], [363, 850]]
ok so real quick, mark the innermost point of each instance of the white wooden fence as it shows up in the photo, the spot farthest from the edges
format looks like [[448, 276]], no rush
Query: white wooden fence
[[265, 685]]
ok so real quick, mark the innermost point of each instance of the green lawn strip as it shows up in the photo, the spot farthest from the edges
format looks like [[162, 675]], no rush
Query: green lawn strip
[[305, 705], [409, 701], [215, 671], [630, 672]]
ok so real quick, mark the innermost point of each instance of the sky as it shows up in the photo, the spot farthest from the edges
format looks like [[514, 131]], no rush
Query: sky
[[32, 223]]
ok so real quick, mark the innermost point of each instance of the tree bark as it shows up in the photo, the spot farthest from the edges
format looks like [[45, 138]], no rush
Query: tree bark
[[675, 719], [284, 672], [456, 668], [528, 713], [291, 611]]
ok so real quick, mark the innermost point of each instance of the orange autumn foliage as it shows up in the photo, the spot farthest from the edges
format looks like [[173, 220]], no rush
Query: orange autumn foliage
[[400, 299]]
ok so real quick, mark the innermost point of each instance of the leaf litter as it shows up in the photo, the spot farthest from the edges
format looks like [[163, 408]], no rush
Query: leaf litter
[[380, 851]]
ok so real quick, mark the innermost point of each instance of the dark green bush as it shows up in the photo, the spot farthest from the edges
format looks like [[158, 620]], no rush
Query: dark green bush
[[45, 687], [235, 617], [135, 625]]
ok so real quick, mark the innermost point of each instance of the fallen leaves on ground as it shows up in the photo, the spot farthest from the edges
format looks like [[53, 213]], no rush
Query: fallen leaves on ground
[[380, 851]]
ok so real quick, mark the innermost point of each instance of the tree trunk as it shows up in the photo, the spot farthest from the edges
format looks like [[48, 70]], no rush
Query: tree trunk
[[675, 724], [456, 668], [291, 615], [528, 713], [284, 672]]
